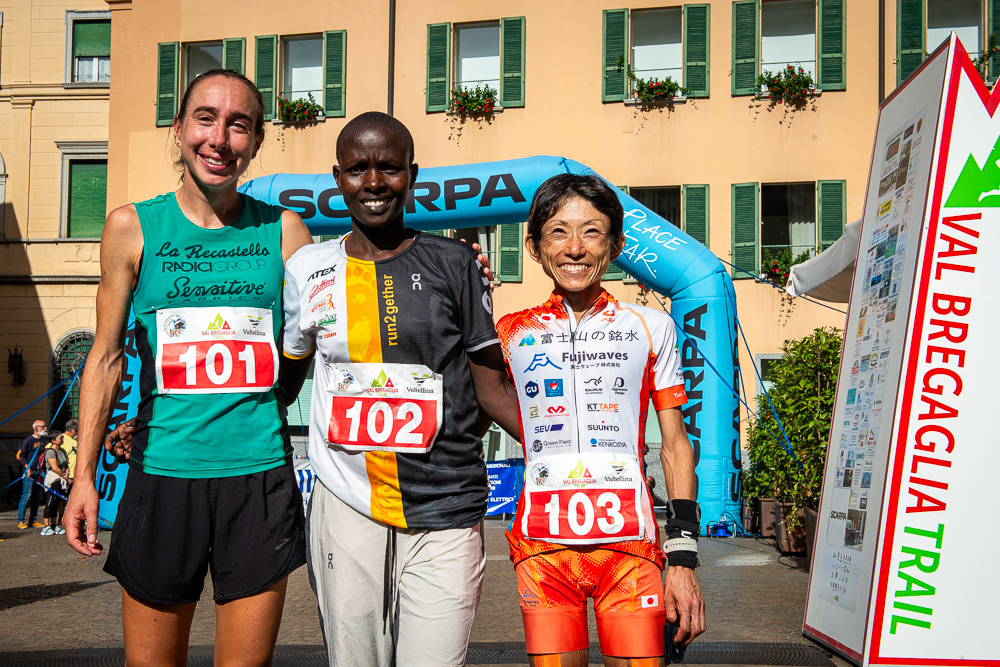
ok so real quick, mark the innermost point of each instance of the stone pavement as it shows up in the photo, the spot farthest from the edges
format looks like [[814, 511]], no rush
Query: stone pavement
[[54, 603]]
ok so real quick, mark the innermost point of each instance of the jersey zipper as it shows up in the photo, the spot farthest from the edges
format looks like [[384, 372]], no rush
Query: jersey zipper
[[571, 320]]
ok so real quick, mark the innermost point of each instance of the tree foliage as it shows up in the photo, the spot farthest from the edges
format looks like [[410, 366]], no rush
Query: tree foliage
[[805, 385]]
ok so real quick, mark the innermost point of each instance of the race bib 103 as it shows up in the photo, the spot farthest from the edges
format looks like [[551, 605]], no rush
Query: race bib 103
[[215, 350], [384, 407], [583, 499]]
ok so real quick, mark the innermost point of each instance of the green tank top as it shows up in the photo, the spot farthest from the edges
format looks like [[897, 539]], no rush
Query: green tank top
[[208, 313]]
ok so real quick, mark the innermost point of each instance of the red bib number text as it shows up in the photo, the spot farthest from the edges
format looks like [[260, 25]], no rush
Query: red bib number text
[[582, 515], [217, 365], [388, 424]]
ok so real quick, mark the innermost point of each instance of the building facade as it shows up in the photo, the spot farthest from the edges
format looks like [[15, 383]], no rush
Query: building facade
[[55, 65], [748, 177]]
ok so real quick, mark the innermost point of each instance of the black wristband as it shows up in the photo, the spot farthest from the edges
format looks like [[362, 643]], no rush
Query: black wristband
[[682, 559], [683, 519]]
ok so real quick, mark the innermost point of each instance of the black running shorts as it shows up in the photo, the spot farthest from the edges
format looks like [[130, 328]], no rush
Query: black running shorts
[[249, 530]]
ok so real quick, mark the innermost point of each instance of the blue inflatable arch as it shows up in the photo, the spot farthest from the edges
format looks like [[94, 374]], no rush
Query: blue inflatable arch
[[703, 302]]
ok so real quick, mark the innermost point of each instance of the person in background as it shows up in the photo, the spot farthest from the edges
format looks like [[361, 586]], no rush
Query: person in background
[[56, 479], [28, 456], [69, 448]]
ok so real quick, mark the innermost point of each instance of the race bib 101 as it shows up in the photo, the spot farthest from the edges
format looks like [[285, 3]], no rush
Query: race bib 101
[[215, 350], [583, 499], [384, 407]]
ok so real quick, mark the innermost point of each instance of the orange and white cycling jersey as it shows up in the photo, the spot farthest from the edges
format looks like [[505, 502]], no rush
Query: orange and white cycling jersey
[[583, 392]]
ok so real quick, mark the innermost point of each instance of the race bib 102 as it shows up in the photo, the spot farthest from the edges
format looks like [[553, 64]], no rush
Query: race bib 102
[[384, 407], [215, 350], [583, 499]]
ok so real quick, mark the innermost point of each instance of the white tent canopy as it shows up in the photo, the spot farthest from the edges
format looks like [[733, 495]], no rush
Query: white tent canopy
[[828, 276]]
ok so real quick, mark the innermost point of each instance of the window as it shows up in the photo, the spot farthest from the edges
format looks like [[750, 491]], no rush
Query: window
[[656, 44], [766, 363], [84, 188], [772, 34], [923, 24], [664, 202], [485, 53], [788, 35], [314, 64], [199, 57], [67, 359], [788, 218], [486, 237], [664, 42], [498, 445], [685, 206], [784, 216], [88, 47], [302, 67], [477, 55], [500, 243]]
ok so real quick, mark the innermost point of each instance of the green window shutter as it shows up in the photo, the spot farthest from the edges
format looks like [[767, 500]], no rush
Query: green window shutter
[[88, 196], [92, 38], [832, 57], [438, 232], [512, 62], [234, 54], [832, 205], [615, 83], [509, 256], [746, 229], [265, 67], [697, 19], [694, 212], [911, 38], [298, 411], [334, 73], [438, 66], [614, 273], [992, 27], [746, 46], [167, 57]]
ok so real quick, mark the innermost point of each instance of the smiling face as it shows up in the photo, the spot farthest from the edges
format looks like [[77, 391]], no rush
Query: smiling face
[[375, 175], [575, 249], [216, 135]]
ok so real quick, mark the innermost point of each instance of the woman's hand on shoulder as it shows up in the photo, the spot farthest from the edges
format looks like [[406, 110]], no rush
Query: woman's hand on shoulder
[[294, 234]]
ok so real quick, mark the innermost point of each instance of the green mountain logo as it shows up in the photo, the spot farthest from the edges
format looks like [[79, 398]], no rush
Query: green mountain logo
[[978, 187], [382, 381]]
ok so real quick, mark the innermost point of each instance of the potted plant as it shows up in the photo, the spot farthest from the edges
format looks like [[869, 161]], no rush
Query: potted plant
[[790, 86], [478, 101], [302, 110], [647, 92], [777, 267], [802, 395]]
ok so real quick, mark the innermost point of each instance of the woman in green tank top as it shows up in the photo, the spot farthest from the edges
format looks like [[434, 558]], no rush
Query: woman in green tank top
[[196, 333]]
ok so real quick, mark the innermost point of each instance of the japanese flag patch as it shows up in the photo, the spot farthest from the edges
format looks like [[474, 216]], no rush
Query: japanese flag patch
[[650, 601]]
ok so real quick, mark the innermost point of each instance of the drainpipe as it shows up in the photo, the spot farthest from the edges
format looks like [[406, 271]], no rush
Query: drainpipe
[[881, 51], [392, 54]]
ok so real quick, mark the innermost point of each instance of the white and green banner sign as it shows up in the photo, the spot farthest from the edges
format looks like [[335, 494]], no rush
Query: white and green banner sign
[[898, 571]]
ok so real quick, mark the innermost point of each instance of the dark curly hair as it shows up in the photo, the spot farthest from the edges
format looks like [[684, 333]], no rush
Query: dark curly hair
[[556, 191]]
